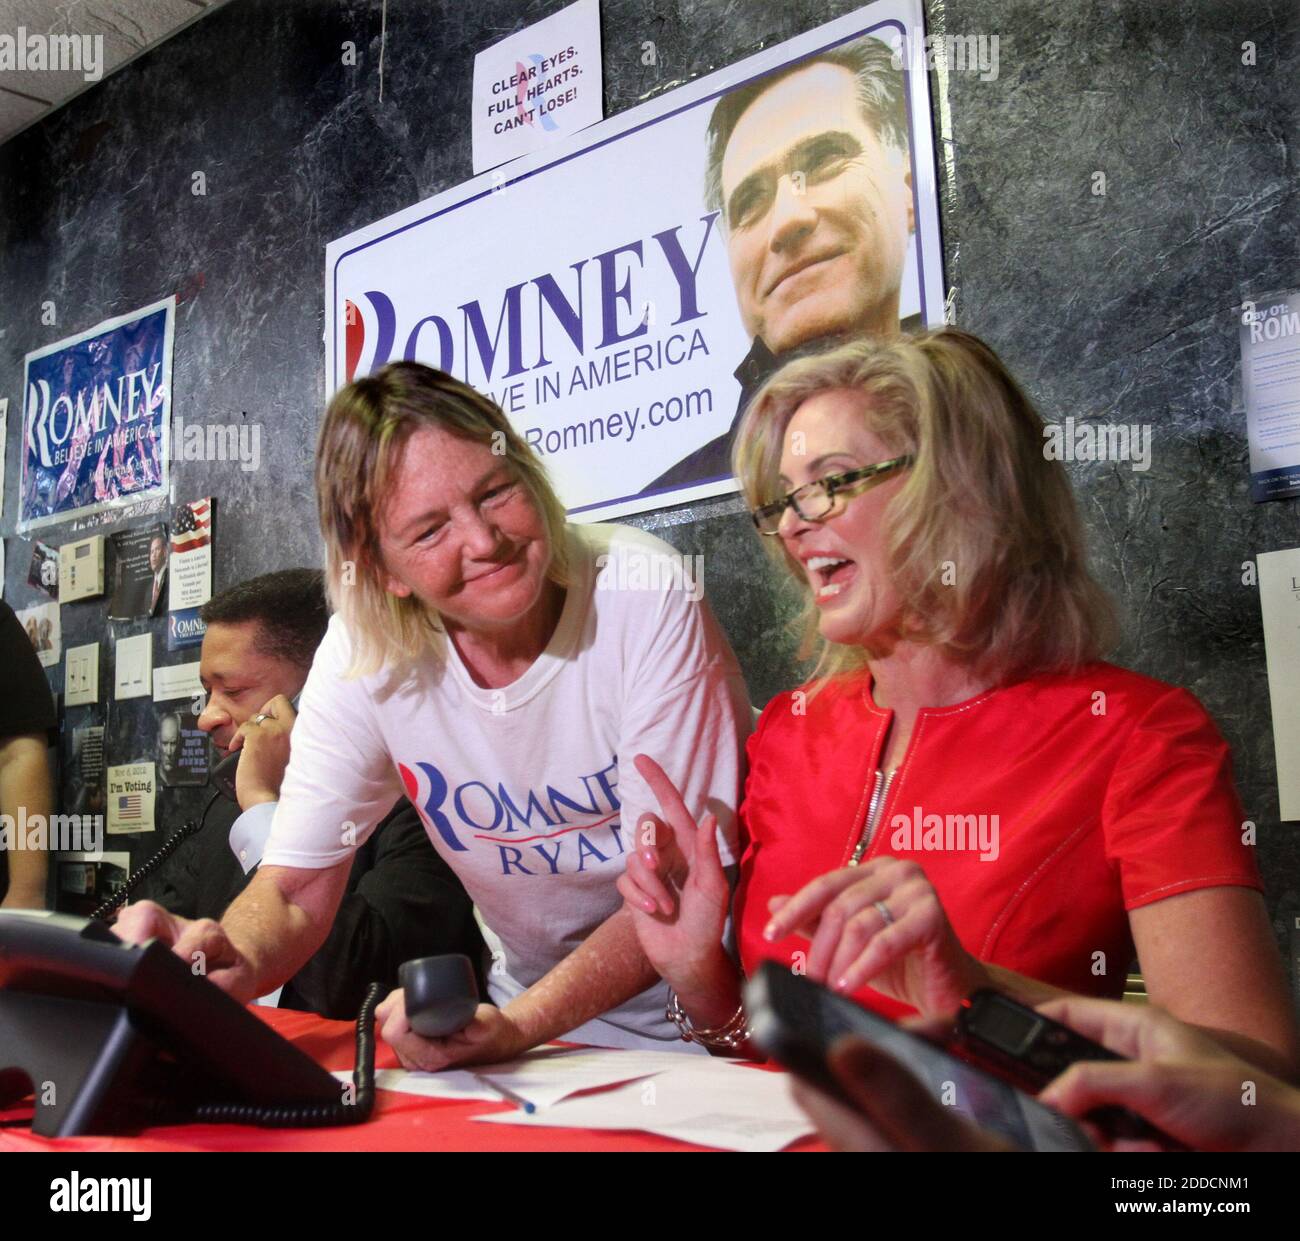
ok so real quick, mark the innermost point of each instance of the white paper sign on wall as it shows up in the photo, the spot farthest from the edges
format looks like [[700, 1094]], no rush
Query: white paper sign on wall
[[1279, 599], [538, 85]]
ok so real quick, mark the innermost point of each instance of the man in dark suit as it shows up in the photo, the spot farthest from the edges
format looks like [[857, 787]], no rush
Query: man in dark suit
[[402, 900]]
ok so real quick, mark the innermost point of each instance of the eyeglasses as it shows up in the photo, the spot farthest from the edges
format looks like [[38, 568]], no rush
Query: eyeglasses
[[814, 501]]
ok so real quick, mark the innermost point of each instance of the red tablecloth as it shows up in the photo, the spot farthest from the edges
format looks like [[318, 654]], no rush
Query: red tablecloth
[[400, 1121]]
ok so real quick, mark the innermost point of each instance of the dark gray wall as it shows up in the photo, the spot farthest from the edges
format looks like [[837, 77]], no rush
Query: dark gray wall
[[1118, 308]]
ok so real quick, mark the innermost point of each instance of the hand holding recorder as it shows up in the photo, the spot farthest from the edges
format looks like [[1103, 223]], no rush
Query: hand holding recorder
[[1191, 1091]]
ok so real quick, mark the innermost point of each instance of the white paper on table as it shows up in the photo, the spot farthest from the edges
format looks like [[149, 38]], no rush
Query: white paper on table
[[710, 1103], [1279, 600], [543, 1077], [546, 1076]]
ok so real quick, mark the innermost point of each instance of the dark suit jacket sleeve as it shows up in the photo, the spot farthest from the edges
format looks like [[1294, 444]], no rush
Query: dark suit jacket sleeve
[[175, 887], [403, 901], [203, 876]]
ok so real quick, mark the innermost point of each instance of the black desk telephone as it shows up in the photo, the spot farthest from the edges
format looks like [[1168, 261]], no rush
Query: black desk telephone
[[112, 1036]]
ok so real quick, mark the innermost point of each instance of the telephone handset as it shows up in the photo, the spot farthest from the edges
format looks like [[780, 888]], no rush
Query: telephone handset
[[223, 774]]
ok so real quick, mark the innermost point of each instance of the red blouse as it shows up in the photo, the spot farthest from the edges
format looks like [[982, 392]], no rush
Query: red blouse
[[1041, 812]]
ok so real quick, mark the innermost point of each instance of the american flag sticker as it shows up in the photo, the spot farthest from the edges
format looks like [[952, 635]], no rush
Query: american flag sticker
[[130, 806], [192, 525]]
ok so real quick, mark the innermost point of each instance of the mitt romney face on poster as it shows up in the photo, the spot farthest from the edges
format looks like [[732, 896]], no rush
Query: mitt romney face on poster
[[808, 168]]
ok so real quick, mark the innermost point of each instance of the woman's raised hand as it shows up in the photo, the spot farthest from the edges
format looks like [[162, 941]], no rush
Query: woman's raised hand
[[674, 884]]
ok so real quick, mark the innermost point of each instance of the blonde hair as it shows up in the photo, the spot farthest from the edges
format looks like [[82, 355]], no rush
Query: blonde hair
[[366, 426], [981, 506]]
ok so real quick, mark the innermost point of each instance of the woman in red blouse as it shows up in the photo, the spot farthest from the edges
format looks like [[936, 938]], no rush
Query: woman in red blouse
[[963, 795]]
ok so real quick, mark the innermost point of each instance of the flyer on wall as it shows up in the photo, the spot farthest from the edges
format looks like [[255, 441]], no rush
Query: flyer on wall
[[537, 85], [182, 749], [139, 571], [43, 572], [96, 417], [4, 439], [1279, 601], [44, 632], [1270, 383], [622, 293], [130, 798], [83, 788], [191, 561], [185, 628]]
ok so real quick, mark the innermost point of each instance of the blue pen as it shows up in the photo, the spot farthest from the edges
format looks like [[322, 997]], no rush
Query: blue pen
[[508, 1095]]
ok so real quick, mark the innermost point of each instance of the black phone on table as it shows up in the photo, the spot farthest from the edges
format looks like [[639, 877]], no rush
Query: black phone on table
[[111, 1036], [796, 1021]]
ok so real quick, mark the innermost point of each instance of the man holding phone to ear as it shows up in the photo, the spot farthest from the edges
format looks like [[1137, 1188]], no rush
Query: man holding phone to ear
[[402, 900]]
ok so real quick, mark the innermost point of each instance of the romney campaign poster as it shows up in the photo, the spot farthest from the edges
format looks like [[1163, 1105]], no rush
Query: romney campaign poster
[[96, 415], [623, 293]]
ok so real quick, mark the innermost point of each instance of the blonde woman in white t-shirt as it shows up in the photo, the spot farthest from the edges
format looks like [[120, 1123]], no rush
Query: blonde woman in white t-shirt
[[501, 669]]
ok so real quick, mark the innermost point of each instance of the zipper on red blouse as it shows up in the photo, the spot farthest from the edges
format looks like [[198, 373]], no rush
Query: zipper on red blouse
[[878, 794]]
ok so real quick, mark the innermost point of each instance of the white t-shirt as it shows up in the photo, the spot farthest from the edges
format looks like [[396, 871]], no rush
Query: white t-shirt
[[529, 791]]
